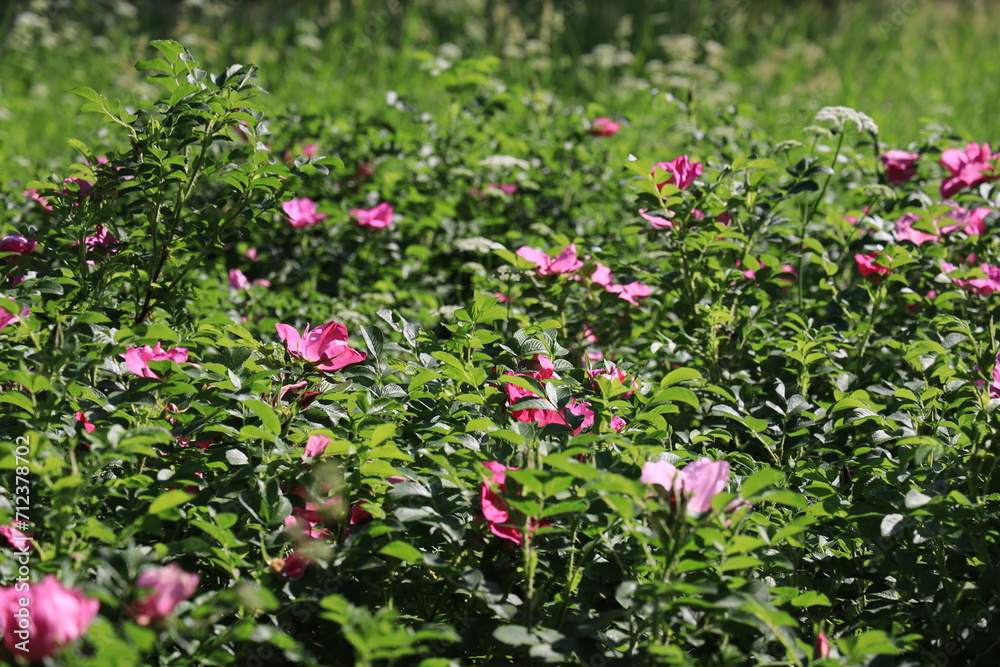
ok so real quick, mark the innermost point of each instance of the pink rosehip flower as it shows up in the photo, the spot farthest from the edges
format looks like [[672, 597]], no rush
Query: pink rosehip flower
[[137, 358], [169, 586], [15, 538], [87, 425], [310, 150], [102, 241], [967, 167], [378, 217], [496, 510], [617, 423], [315, 446], [301, 212], [18, 245], [821, 647], [581, 409], [970, 223], [237, 279], [695, 485], [659, 222], [293, 566], [604, 127], [59, 616], [995, 377], [682, 172], [326, 345], [7, 317], [900, 166], [565, 264], [906, 232], [869, 267], [631, 291], [42, 201], [985, 286]]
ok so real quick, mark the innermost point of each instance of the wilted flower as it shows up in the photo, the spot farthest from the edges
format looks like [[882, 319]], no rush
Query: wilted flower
[[301, 212], [967, 167], [137, 358], [694, 486], [169, 586], [900, 166], [378, 217], [604, 127], [326, 345], [58, 616]]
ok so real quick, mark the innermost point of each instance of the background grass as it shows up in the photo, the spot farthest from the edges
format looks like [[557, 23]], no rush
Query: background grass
[[908, 63]]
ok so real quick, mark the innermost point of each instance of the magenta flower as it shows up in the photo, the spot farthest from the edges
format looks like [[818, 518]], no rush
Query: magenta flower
[[506, 188], [310, 150], [605, 127], [659, 222], [565, 264], [301, 212], [580, 409], [631, 291], [695, 485], [900, 166], [102, 241], [169, 586], [137, 358], [995, 377], [326, 345], [379, 217], [970, 223], [869, 267], [617, 423], [58, 616], [906, 232], [821, 647], [15, 538], [237, 280], [496, 510], [984, 286], [18, 245], [293, 566], [682, 172], [42, 201], [87, 425], [315, 446], [967, 167], [7, 317]]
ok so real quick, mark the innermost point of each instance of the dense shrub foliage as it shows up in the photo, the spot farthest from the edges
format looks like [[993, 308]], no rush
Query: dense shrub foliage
[[465, 389]]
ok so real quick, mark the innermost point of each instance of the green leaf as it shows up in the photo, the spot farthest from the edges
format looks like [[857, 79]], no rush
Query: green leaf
[[268, 417], [169, 500], [402, 551], [761, 479]]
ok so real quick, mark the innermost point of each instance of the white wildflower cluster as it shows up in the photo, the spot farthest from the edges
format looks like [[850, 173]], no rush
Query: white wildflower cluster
[[839, 117], [477, 244]]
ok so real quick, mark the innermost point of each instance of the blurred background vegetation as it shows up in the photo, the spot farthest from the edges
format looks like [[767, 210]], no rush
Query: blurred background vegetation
[[910, 64]]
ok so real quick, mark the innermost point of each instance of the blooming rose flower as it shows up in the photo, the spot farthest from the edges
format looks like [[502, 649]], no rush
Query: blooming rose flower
[[301, 212], [59, 615], [42, 201], [496, 510], [695, 485], [378, 217], [995, 377], [900, 166], [237, 279], [169, 586], [566, 263], [605, 127], [983, 286], [293, 566], [905, 231], [612, 372], [315, 446], [617, 423], [326, 345], [631, 291], [869, 267], [102, 241], [137, 358], [6, 317], [17, 244], [967, 167], [15, 538], [87, 425], [970, 223], [580, 409], [682, 172]]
